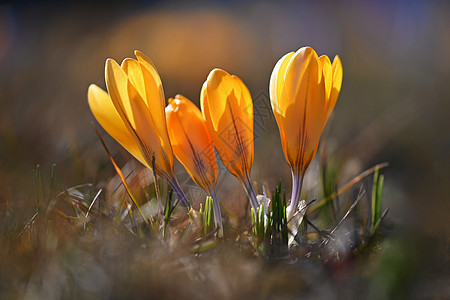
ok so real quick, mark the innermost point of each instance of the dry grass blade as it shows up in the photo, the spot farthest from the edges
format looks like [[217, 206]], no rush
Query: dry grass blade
[[119, 172], [93, 201], [28, 224], [68, 192], [304, 208], [322, 233], [360, 194], [348, 185]]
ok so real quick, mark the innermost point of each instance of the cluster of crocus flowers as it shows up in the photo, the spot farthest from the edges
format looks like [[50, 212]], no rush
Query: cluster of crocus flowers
[[193, 146], [227, 108], [303, 91], [132, 112]]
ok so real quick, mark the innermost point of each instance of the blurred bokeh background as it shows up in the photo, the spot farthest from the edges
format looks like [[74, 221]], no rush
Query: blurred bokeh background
[[394, 105]]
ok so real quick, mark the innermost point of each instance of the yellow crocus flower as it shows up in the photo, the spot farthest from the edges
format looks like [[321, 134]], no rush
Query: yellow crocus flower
[[303, 91], [228, 110], [193, 146], [133, 114]]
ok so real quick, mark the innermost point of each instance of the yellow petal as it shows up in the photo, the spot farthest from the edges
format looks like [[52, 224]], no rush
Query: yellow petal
[[191, 141], [284, 140], [154, 89], [246, 108], [337, 83], [136, 116], [297, 78], [133, 71], [217, 140], [108, 117], [303, 97], [231, 117], [154, 93], [245, 101], [303, 92], [204, 106], [218, 87], [277, 81], [226, 92], [148, 84], [116, 83], [191, 118], [325, 64], [300, 145]]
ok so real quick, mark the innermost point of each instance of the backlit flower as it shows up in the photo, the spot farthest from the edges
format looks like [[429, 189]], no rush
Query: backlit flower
[[191, 141], [228, 110], [303, 92], [133, 114], [193, 146]]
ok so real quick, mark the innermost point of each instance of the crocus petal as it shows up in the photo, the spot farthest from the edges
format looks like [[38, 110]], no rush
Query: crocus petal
[[194, 149], [246, 108], [116, 83], [337, 84], [284, 140], [155, 90], [230, 114], [245, 102], [108, 117], [154, 93], [136, 116], [325, 63], [277, 81], [133, 71], [204, 106], [148, 84], [217, 140], [303, 95], [298, 81], [219, 87]]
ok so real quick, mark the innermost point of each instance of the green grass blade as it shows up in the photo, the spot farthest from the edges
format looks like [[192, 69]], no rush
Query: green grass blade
[[377, 190], [38, 186]]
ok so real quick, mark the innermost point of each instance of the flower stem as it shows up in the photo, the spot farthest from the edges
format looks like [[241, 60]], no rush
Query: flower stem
[[177, 189], [216, 207], [251, 194], [297, 183]]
